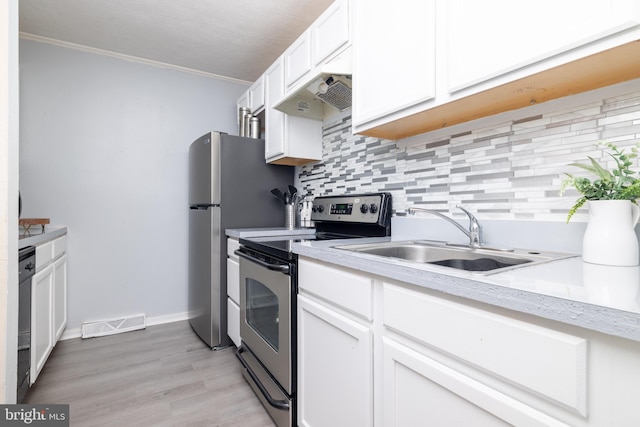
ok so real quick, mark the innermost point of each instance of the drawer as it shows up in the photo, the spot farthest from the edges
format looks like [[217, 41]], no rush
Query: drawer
[[59, 247], [232, 246], [542, 360], [233, 280], [353, 292], [44, 255]]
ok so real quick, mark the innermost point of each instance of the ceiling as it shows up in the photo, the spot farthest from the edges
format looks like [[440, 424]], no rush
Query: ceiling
[[235, 39]]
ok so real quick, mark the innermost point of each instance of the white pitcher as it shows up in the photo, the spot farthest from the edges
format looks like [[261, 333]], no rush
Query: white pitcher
[[610, 237]]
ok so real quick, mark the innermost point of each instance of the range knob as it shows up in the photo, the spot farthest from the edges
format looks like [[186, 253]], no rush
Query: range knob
[[364, 208], [373, 208], [320, 208]]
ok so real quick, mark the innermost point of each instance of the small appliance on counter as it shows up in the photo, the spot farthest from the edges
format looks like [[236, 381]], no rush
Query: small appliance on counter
[[306, 207], [268, 295]]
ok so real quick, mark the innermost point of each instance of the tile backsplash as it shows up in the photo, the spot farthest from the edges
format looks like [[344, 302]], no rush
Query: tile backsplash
[[510, 171]]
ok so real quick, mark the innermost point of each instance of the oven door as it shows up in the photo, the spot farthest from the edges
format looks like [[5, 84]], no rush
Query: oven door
[[266, 302]]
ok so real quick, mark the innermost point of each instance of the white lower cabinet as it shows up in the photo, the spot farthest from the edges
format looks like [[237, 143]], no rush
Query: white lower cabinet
[[387, 353], [335, 356], [41, 319], [233, 291], [48, 302], [59, 296]]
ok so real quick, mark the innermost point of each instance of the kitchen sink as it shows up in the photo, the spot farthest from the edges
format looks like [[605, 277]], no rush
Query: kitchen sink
[[480, 260]]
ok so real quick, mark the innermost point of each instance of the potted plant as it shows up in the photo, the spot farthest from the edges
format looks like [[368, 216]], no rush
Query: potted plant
[[610, 237]]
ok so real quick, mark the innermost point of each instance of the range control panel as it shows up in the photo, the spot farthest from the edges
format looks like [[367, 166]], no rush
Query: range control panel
[[362, 208]]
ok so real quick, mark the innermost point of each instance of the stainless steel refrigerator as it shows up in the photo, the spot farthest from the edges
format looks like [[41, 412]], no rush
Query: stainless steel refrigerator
[[229, 187]]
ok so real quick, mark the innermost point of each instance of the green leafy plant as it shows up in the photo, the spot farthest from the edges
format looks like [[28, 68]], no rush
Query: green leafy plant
[[621, 183]]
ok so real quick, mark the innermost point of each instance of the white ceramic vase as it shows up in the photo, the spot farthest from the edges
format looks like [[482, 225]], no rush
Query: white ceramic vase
[[610, 237]]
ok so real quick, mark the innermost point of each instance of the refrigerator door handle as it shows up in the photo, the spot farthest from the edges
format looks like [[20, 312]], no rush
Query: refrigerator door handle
[[204, 206]]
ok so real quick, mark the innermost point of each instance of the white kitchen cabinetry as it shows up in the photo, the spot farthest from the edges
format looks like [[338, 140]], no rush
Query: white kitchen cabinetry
[[48, 302], [233, 291], [256, 96], [335, 349], [394, 57], [253, 98], [484, 57], [329, 34], [41, 320], [448, 361], [297, 60], [289, 140], [492, 38], [59, 297], [243, 101]]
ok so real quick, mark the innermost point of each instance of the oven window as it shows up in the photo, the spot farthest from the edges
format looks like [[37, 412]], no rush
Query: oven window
[[262, 312]]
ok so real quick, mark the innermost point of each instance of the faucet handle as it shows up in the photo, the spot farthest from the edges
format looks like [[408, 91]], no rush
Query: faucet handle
[[469, 214], [475, 230]]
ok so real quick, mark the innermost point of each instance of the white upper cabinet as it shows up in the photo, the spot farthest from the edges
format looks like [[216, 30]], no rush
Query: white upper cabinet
[[394, 57], [491, 38], [330, 31], [253, 98], [243, 101], [431, 65], [289, 140], [256, 96], [274, 126], [304, 59], [297, 59]]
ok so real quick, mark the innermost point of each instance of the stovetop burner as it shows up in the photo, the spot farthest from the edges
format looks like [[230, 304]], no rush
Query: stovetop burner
[[335, 217]]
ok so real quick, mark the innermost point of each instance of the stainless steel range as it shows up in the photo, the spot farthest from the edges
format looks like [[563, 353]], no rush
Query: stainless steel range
[[268, 289]]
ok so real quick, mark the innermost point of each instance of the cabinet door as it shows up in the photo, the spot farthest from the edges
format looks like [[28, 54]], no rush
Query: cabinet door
[[417, 388], [41, 319], [392, 73], [274, 128], [330, 31], [233, 321], [256, 96], [335, 376], [493, 37], [243, 101], [59, 309], [297, 59]]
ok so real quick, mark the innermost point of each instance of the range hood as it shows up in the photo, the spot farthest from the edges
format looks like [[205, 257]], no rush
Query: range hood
[[330, 86]]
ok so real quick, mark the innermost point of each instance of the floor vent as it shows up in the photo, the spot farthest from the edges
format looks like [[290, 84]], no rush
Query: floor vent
[[113, 326]]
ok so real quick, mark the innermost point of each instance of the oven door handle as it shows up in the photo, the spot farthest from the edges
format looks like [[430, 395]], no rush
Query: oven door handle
[[275, 267], [280, 404]]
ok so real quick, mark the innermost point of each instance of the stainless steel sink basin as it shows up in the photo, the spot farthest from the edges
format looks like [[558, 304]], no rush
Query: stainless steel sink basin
[[483, 260]]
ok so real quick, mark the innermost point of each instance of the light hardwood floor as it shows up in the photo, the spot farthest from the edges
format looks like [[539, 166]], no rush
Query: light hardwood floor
[[160, 376]]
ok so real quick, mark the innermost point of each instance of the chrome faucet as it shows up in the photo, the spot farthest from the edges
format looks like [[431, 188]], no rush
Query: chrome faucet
[[475, 230]]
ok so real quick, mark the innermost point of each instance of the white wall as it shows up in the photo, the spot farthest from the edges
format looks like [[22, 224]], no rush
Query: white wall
[[8, 200], [103, 150]]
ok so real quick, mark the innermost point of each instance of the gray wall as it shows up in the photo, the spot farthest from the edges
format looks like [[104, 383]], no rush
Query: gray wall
[[103, 150]]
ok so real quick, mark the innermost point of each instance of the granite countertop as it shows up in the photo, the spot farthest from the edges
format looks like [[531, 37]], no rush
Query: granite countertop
[[600, 298], [38, 236]]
